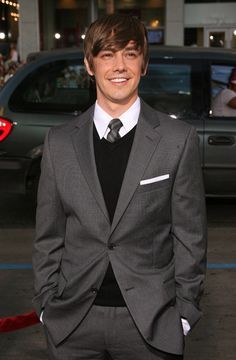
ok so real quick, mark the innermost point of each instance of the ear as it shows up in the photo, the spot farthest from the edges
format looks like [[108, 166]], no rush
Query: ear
[[144, 71], [88, 68]]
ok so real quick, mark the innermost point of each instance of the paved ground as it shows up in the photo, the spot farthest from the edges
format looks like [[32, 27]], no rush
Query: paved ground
[[214, 338]]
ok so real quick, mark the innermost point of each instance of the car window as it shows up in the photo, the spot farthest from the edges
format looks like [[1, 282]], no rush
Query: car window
[[222, 90], [60, 86], [167, 88]]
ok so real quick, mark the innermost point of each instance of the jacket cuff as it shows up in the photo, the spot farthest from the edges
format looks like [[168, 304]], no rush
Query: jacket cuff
[[189, 312], [40, 301]]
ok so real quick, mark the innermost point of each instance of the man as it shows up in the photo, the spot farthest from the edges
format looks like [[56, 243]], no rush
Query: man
[[224, 104], [119, 255]]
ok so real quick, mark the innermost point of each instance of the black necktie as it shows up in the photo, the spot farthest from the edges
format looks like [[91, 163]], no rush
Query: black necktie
[[114, 125]]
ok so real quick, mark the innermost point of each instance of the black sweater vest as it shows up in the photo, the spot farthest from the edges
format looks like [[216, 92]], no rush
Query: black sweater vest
[[111, 161]]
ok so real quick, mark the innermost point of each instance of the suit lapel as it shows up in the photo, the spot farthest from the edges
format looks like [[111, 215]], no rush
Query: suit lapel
[[145, 142], [82, 139]]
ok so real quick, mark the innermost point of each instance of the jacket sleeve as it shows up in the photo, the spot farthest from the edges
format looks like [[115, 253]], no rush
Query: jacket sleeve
[[50, 232], [189, 230]]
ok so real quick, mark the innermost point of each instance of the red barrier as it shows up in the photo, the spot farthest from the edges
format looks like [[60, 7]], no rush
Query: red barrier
[[18, 322]]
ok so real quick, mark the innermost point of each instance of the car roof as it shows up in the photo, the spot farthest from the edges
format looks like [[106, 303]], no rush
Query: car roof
[[155, 51], [193, 52], [54, 53]]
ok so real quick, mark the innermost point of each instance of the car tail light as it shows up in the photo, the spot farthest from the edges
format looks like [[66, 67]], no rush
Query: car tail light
[[5, 128]]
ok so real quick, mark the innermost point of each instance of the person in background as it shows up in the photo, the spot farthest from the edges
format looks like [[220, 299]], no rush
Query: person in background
[[120, 250], [13, 55], [224, 104], [12, 68]]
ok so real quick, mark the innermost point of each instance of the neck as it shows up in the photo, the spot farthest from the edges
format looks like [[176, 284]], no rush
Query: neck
[[114, 109]]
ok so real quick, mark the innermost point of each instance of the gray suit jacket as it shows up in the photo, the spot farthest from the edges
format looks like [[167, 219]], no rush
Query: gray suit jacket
[[156, 242]]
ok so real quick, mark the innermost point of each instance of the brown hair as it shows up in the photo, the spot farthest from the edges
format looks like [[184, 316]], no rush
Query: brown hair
[[114, 32]]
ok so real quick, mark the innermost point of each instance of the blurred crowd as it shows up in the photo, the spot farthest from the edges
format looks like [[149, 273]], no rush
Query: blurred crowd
[[9, 65]]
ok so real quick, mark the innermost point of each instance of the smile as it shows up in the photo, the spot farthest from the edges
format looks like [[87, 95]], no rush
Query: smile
[[119, 80]]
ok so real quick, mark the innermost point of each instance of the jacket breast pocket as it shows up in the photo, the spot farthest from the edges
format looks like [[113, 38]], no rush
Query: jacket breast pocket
[[152, 198], [155, 186]]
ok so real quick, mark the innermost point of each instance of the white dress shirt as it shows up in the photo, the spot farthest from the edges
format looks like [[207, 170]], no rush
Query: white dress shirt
[[129, 119]]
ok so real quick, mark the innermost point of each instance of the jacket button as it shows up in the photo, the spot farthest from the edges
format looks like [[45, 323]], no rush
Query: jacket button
[[111, 246], [94, 290]]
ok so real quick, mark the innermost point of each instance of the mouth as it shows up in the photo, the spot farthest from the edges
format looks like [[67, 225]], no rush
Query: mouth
[[119, 80]]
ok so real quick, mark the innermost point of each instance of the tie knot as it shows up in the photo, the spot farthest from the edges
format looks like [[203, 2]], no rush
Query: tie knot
[[115, 124]]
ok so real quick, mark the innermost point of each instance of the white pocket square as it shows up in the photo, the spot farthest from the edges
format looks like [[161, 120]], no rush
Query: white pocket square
[[155, 179]]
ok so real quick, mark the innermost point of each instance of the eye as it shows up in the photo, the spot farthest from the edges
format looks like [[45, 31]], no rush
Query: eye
[[131, 54], [106, 55]]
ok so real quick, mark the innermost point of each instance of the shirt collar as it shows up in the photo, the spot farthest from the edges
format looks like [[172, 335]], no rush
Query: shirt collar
[[129, 119]]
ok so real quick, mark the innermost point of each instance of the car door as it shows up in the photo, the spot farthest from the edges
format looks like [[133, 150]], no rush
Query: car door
[[220, 133], [174, 86], [46, 92]]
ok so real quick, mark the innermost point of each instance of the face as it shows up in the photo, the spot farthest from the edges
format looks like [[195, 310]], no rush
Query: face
[[117, 75]]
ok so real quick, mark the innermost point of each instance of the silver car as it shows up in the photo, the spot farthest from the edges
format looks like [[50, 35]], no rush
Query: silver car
[[54, 87]]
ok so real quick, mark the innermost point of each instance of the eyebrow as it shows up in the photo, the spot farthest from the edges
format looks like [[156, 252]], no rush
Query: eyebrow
[[132, 47], [108, 49], [127, 48]]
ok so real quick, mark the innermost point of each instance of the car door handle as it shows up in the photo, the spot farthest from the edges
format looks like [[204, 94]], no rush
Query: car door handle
[[221, 140]]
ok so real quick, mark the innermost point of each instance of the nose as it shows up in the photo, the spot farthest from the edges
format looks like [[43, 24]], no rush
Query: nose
[[119, 62]]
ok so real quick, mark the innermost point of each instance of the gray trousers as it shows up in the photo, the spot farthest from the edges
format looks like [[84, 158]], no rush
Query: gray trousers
[[106, 333]]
